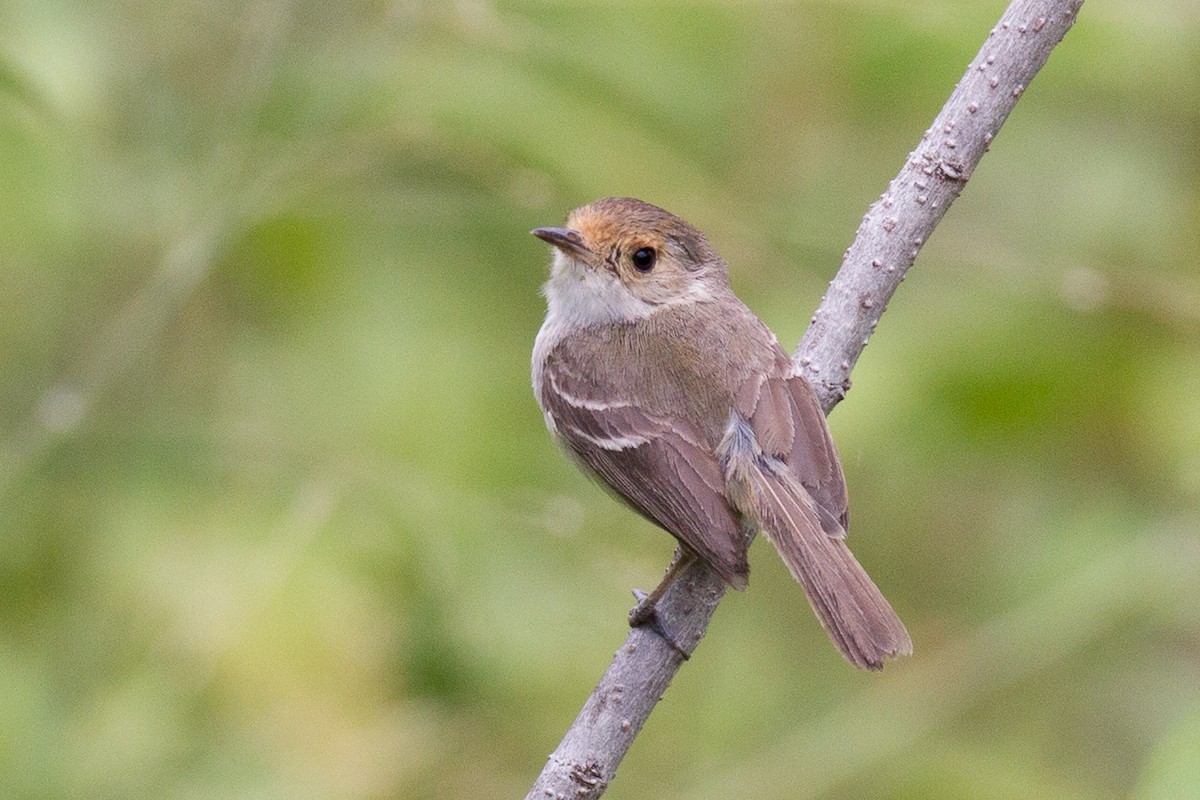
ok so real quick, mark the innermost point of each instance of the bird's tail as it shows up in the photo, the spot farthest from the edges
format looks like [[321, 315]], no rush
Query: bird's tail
[[849, 605]]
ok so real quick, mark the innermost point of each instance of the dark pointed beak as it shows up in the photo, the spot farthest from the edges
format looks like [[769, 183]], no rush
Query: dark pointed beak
[[566, 239]]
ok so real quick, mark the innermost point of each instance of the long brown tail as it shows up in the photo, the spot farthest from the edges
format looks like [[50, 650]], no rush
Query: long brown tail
[[850, 606]]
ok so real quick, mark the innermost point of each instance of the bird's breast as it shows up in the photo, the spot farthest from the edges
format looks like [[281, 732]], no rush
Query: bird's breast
[[682, 363]]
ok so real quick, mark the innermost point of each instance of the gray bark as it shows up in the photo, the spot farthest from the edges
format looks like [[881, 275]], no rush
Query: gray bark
[[888, 240]]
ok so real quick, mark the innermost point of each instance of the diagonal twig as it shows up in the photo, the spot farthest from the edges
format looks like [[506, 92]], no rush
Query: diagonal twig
[[891, 235]]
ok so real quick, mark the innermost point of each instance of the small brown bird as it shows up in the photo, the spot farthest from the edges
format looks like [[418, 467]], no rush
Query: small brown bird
[[660, 382]]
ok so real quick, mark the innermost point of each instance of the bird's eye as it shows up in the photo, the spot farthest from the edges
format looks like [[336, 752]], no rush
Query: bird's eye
[[644, 258]]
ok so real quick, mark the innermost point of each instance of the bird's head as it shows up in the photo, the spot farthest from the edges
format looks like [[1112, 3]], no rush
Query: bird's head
[[620, 259]]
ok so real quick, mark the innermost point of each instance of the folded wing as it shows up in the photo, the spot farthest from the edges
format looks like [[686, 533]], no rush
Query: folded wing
[[658, 467]]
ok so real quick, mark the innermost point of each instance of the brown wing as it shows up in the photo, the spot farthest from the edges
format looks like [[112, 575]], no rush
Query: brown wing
[[657, 466], [788, 423]]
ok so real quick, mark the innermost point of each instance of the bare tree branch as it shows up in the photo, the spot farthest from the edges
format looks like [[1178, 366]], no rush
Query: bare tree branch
[[891, 235], [899, 223]]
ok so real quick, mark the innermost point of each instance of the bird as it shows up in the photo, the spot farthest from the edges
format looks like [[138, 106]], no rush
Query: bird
[[659, 382]]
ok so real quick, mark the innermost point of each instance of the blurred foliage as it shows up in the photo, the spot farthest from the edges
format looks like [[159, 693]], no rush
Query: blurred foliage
[[281, 519]]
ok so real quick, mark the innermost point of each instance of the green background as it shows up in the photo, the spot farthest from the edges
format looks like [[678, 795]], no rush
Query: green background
[[278, 514]]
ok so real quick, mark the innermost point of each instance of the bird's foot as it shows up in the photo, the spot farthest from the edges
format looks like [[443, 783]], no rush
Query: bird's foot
[[645, 615]]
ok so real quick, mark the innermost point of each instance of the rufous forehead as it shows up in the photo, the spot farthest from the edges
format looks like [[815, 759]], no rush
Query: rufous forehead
[[597, 226], [617, 220]]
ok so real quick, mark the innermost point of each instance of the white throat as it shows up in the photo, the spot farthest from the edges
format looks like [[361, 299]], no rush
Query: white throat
[[582, 296]]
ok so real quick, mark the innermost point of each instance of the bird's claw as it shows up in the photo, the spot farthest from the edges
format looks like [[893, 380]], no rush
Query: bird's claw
[[645, 614]]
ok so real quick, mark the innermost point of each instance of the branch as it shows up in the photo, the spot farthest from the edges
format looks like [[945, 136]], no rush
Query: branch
[[899, 223], [891, 235]]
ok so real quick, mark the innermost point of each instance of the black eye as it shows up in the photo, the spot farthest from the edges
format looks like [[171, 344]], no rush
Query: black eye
[[643, 259]]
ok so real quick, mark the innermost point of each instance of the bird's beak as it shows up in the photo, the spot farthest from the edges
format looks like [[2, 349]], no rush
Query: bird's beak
[[569, 240]]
